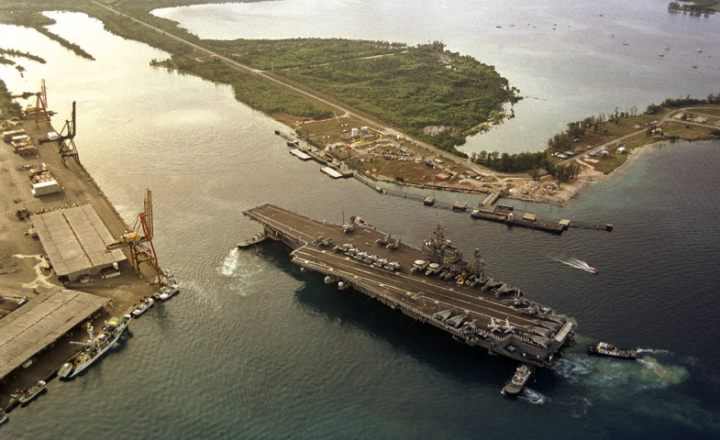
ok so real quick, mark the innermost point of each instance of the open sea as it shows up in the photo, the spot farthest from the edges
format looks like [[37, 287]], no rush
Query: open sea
[[252, 348]]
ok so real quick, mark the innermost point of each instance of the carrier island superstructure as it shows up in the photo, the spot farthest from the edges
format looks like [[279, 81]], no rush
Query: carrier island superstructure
[[433, 284]]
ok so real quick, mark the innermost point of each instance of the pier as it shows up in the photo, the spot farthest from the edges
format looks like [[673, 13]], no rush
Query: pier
[[433, 285]]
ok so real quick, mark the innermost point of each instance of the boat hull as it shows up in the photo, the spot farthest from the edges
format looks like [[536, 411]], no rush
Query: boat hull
[[84, 366]]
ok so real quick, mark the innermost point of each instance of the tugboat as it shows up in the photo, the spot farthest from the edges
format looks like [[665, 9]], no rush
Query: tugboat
[[31, 393], [516, 384], [143, 307], [609, 350], [95, 348]]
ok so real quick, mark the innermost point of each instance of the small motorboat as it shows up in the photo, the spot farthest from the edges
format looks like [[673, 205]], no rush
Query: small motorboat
[[66, 370], [609, 350], [31, 393], [167, 292], [3, 417], [143, 307]]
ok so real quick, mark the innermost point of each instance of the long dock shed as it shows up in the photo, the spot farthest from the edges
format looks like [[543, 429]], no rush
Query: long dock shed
[[41, 322], [76, 240]]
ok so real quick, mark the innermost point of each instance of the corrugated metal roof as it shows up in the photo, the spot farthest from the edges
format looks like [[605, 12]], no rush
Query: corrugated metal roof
[[76, 240], [40, 322]]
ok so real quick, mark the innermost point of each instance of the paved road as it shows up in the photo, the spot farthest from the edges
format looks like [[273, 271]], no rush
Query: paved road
[[339, 108]]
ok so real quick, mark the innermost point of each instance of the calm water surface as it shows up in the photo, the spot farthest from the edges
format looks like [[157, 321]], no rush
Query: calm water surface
[[567, 57], [254, 349]]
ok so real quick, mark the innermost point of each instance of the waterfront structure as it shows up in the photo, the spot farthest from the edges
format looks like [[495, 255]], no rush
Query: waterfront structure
[[41, 322], [76, 242]]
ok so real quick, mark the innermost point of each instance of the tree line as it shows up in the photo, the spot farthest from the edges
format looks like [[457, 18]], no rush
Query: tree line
[[527, 162]]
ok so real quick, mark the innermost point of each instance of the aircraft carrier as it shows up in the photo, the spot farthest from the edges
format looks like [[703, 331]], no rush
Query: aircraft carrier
[[432, 284]]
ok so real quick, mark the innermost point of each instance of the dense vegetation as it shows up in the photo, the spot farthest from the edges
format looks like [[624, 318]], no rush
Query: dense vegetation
[[273, 55], [423, 86], [687, 101], [21, 54], [65, 43], [694, 7], [8, 107], [534, 163]]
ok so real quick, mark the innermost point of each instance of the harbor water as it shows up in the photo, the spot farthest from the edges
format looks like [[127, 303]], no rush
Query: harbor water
[[253, 348]]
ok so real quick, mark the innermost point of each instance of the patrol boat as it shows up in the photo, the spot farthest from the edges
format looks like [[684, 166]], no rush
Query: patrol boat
[[95, 348]]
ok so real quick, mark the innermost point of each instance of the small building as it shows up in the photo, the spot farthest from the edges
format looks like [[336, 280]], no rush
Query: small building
[[46, 187], [8, 135], [354, 132], [76, 242]]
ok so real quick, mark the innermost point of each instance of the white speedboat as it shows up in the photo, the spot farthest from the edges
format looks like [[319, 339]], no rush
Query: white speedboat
[[31, 393], [167, 292], [143, 307]]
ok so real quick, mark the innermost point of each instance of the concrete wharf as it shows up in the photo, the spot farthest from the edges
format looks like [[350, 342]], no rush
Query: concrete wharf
[[486, 313]]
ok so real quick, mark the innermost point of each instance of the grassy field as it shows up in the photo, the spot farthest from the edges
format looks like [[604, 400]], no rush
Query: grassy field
[[424, 86]]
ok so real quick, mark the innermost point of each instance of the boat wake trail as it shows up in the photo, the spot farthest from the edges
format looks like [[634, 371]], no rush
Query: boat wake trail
[[612, 377], [242, 268], [653, 351], [576, 264], [533, 397], [230, 263], [577, 406]]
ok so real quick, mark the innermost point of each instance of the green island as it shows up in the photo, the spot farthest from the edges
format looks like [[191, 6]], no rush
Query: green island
[[694, 7], [21, 54], [29, 14]]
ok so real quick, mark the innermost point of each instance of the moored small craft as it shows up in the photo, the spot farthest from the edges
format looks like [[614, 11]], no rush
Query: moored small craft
[[167, 292], [3, 416], [609, 350], [142, 307], [31, 393]]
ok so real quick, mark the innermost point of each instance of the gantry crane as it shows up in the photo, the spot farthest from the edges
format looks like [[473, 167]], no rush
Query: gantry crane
[[139, 242], [40, 109]]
